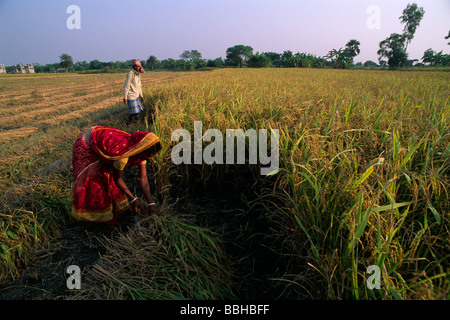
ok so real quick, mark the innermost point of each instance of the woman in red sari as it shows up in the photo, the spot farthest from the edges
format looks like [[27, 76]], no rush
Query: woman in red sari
[[98, 159]]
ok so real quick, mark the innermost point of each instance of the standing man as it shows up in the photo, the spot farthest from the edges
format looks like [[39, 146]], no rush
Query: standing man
[[132, 91]]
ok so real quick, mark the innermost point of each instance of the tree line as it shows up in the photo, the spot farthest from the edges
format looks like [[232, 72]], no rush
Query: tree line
[[392, 53]]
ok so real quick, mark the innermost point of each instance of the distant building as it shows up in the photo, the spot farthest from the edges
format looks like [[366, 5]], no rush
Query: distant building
[[18, 69], [61, 70], [21, 69], [13, 70], [29, 68]]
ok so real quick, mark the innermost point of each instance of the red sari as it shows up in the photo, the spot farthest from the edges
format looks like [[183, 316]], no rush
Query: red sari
[[96, 197]]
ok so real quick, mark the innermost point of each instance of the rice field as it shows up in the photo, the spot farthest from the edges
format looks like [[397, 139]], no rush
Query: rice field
[[363, 181], [364, 158]]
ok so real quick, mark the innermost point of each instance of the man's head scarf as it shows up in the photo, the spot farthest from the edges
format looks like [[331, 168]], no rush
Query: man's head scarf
[[137, 63]]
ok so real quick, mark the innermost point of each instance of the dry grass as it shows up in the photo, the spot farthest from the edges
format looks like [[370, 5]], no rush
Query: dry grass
[[163, 258], [38, 101]]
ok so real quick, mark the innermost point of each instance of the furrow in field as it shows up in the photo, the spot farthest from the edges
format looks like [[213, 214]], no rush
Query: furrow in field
[[28, 122], [10, 102], [34, 95], [60, 100], [74, 115], [24, 132], [29, 129], [41, 86], [25, 118], [14, 114]]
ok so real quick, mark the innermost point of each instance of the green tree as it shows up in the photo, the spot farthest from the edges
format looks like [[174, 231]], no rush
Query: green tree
[[337, 58], [216, 63], [259, 61], [429, 57], [352, 50], [65, 61], [191, 55], [444, 60], [438, 58], [343, 58], [81, 66], [116, 65], [199, 63], [185, 55], [238, 55], [38, 68], [411, 17], [287, 59], [152, 61], [96, 64], [169, 64], [393, 48], [275, 58], [370, 63]]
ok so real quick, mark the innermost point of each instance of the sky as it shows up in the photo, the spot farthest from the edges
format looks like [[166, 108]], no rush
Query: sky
[[39, 31]]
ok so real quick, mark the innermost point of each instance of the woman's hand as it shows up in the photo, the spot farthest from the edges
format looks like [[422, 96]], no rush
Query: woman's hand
[[152, 209], [136, 205]]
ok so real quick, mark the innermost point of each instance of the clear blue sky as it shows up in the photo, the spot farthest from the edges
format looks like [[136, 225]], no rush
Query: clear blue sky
[[35, 30]]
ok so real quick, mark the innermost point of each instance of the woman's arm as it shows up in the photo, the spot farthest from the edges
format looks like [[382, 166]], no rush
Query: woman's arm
[[117, 175], [145, 186]]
